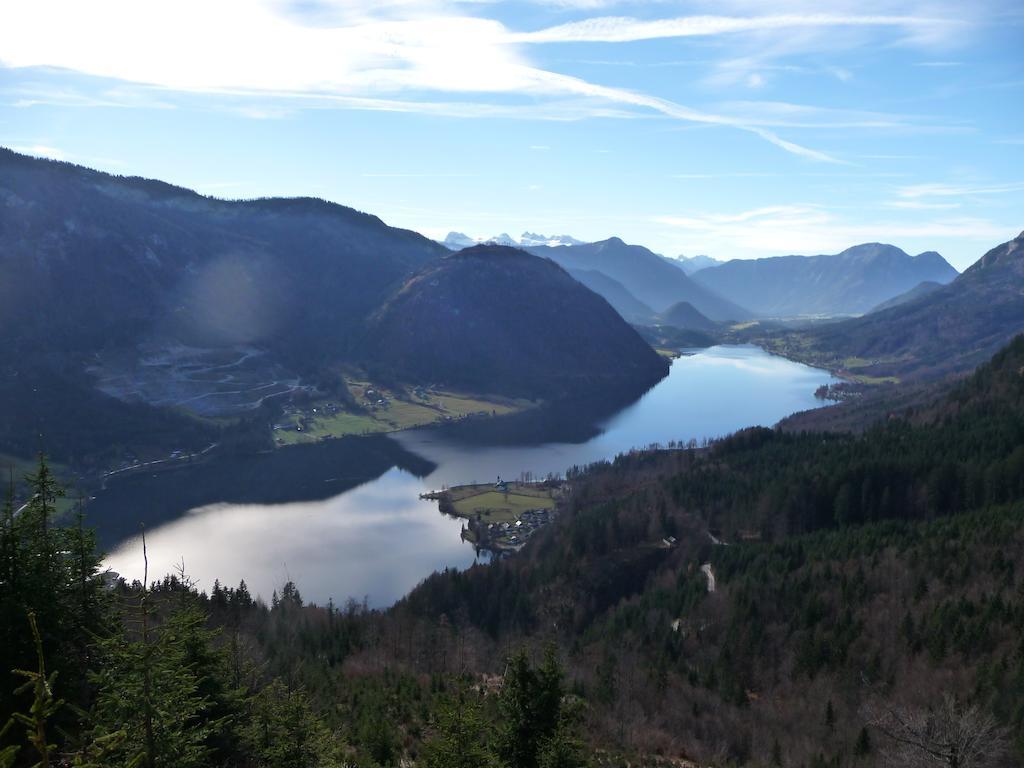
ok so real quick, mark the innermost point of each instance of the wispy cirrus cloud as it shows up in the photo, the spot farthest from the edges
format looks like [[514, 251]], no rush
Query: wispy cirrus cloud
[[623, 29], [395, 57], [915, 191], [920, 205]]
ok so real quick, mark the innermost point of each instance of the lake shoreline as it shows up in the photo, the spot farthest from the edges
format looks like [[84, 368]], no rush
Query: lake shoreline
[[301, 513]]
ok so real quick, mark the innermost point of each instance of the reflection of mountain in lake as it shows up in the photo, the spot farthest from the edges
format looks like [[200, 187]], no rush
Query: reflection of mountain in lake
[[568, 420], [379, 539], [300, 473]]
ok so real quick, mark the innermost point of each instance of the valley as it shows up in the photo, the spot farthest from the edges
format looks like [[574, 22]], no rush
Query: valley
[[539, 384], [349, 498], [717, 521]]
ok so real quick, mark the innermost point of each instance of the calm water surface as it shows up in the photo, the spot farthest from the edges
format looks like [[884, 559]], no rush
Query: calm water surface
[[378, 540]]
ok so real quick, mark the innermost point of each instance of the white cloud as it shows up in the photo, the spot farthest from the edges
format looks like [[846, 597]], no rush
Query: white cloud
[[622, 29], [920, 205], [957, 190], [418, 175], [359, 56], [38, 150]]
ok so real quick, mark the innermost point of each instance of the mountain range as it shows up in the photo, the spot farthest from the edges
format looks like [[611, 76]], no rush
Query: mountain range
[[949, 329], [849, 283], [691, 264], [124, 289], [456, 241], [645, 274]]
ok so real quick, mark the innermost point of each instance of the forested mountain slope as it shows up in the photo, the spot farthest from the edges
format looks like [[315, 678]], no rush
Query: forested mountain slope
[[858, 572], [497, 319]]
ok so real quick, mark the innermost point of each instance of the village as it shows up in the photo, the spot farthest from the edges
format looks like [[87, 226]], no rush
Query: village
[[501, 517], [373, 409]]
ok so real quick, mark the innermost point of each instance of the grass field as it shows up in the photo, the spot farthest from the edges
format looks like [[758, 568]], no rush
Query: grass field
[[402, 409], [338, 425], [496, 506]]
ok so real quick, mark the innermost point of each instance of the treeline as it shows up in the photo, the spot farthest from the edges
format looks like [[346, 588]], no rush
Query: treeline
[[96, 672]]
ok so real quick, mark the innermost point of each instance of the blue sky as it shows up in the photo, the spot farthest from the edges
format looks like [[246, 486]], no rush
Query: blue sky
[[736, 128]]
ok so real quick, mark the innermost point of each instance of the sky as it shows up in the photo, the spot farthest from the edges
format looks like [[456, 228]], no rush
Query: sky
[[734, 128]]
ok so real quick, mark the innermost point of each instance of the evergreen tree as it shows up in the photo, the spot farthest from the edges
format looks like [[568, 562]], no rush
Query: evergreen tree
[[537, 729], [150, 686], [283, 731], [460, 740], [52, 573]]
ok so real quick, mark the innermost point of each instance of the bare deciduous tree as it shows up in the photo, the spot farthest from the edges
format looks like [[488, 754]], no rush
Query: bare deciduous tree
[[951, 735]]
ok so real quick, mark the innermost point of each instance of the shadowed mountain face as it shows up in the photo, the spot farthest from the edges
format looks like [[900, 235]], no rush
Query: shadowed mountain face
[[950, 329], [849, 283], [496, 319], [625, 303], [685, 316], [122, 261], [162, 297], [919, 290], [125, 289], [645, 274]]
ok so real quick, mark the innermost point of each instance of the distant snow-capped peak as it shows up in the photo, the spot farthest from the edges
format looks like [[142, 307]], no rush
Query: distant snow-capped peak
[[458, 240]]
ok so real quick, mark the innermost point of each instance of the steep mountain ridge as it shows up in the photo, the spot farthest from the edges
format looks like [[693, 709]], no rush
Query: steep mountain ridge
[[848, 283], [615, 293], [497, 319], [645, 274], [949, 330], [919, 290], [129, 259], [685, 316]]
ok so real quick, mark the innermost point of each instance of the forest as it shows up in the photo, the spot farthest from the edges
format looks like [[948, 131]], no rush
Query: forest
[[770, 598]]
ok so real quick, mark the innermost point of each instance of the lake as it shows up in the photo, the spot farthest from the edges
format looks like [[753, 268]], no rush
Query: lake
[[281, 516]]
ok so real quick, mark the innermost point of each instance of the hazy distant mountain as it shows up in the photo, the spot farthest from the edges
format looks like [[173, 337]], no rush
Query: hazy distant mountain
[[457, 240], [497, 319], [625, 303], [686, 317], [691, 264], [644, 274], [921, 289], [952, 328], [848, 283]]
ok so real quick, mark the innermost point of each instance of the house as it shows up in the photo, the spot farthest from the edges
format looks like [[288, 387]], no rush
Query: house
[[501, 486]]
